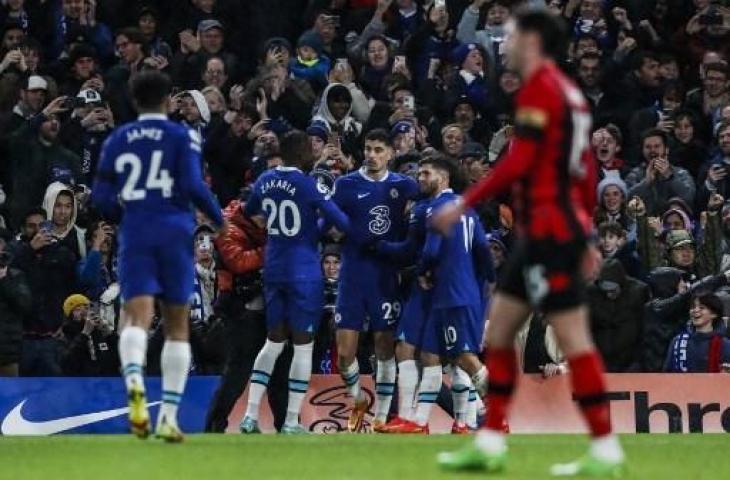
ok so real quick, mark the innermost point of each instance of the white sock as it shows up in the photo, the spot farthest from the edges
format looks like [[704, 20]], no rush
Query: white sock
[[607, 448], [479, 380], [407, 382], [132, 354], [175, 365], [384, 388], [491, 441], [260, 375], [460, 392], [299, 374], [427, 393], [351, 376], [472, 408]]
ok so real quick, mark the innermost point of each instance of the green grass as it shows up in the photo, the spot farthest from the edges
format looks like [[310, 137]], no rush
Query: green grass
[[321, 457]]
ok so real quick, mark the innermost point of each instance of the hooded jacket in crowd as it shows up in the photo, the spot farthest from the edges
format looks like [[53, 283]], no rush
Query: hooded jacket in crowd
[[74, 237], [617, 323]]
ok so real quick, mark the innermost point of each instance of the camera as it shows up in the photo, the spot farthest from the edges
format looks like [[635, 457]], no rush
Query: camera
[[72, 103]]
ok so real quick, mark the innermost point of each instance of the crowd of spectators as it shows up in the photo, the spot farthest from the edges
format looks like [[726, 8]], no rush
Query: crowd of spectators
[[245, 72]]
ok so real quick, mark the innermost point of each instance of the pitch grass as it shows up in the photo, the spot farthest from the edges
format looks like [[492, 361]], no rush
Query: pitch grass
[[341, 456]]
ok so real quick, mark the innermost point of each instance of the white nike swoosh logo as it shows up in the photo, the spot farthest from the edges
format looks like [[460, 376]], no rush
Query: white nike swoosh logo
[[15, 424], [363, 195]]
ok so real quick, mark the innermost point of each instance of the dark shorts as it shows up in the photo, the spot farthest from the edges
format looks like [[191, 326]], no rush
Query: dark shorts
[[298, 304], [546, 274]]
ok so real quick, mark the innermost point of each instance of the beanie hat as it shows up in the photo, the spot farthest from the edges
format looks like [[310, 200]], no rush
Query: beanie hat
[[310, 38], [319, 129], [201, 103], [607, 182], [459, 54], [678, 238], [81, 50], [73, 301], [676, 211]]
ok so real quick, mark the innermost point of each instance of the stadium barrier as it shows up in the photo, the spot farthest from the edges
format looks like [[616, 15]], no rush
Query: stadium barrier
[[640, 403]]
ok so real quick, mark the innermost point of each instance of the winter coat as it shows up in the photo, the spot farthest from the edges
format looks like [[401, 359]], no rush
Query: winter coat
[[15, 306], [241, 245], [697, 351], [94, 355], [349, 128], [316, 74], [228, 159], [33, 165], [618, 324], [656, 194], [94, 277]]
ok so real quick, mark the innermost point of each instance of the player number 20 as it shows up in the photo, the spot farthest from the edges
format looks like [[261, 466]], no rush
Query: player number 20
[[283, 218], [157, 178]]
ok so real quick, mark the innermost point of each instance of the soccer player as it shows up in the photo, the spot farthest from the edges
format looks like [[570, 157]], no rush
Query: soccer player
[[549, 164], [289, 202], [375, 200], [453, 269], [149, 178], [415, 310]]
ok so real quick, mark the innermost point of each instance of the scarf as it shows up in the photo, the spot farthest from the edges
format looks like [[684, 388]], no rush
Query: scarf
[[679, 353], [308, 63], [201, 305]]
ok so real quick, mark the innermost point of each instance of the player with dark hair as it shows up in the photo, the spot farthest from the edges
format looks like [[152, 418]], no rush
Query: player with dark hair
[[149, 178], [375, 200], [552, 173], [287, 201]]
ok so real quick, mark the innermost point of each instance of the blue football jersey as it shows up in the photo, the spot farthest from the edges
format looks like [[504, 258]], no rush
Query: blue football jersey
[[150, 175], [408, 252], [455, 259], [291, 201], [376, 210]]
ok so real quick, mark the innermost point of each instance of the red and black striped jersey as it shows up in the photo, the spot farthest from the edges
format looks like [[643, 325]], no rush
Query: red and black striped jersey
[[549, 165]]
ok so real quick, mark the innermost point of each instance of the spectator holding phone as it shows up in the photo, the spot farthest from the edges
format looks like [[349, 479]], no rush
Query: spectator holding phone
[[90, 348], [15, 306], [96, 271], [717, 175], [335, 112]]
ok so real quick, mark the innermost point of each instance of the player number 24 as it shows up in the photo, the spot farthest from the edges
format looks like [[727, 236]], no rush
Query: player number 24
[[283, 218], [157, 178]]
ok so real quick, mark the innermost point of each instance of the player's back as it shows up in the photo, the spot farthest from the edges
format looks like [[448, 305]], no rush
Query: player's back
[[149, 159], [452, 256], [551, 108], [289, 200]]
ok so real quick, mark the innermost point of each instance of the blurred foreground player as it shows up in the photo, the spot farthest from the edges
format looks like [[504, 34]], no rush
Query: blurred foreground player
[[549, 164], [148, 179]]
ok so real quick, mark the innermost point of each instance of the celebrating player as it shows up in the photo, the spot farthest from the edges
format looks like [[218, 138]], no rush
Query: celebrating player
[[550, 166], [375, 201], [149, 177], [454, 268], [289, 201]]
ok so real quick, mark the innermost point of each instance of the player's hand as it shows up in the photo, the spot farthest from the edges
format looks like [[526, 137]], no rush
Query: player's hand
[[426, 281], [446, 216]]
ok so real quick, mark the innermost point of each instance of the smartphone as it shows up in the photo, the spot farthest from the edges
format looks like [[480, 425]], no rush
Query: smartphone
[[439, 4], [47, 226]]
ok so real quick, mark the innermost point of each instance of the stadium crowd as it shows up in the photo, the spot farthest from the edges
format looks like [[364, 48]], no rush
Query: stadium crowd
[[246, 72]]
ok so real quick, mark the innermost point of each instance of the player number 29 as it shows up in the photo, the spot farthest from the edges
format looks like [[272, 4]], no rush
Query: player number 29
[[391, 311], [157, 178], [283, 218]]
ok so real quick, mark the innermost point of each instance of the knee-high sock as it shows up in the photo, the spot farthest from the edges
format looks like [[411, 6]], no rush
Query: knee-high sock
[[427, 393], [260, 375], [460, 383], [384, 388], [586, 371], [175, 365], [132, 354], [299, 374], [407, 382], [472, 409], [502, 366], [351, 377]]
